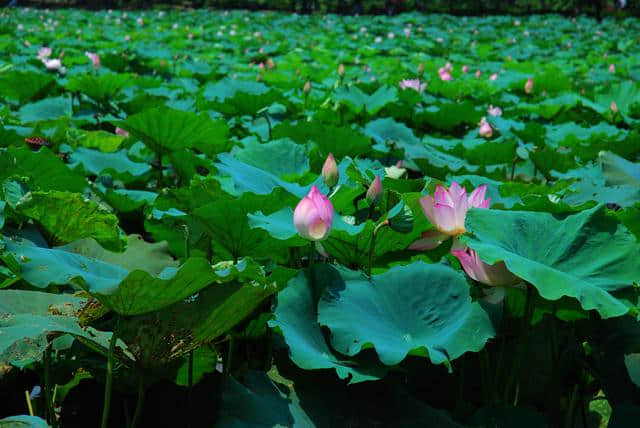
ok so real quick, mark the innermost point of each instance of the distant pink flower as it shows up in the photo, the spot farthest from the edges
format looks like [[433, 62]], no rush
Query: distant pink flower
[[448, 66], [447, 208], [494, 76], [478, 73], [261, 66], [44, 52], [95, 59], [407, 32], [313, 216], [330, 173], [444, 74], [485, 129], [120, 131], [612, 68], [52, 64], [375, 191], [413, 84], [494, 111], [496, 275], [614, 107], [465, 69], [528, 86]]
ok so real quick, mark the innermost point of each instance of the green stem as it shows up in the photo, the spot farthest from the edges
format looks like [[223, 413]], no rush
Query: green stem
[[312, 254], [229, 360], [568, 422], [139, 403], [187, 241], [48, 407], [372, 245], [486, 368], [190, 389], [266, 116], [515, 370], [513, 168], [106, 407]]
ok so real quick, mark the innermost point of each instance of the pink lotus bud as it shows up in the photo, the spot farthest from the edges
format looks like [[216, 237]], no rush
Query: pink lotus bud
[[485, 129], [494, 76], [612, 68], [528, 86], [313, 216], [447, 208], [120, 131], [95, 59], [375, 191], [420, 68], [330, 173], [341, 70], [444, 74], [261, 66], [494, 111], [307, 87], [52, 64], [614, 107], [412, 84], [465, 69], [496, 275], [448, 66], [44, 52], [478, 73]]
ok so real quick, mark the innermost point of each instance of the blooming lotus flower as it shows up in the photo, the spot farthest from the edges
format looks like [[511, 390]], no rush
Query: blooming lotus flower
[[494, 111], [485, 129], [447, 208], [375, 191], [412, 84], [330, 173], [612, 68], [496, 275], [53, 64], [493, 77], [528, 86], [44, 52], [444, 74], [313, 216], [465, 69], [95, 59]]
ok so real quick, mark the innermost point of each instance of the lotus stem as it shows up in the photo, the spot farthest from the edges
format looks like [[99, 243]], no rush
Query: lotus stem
[[190, 389], [139, 403], [29, 405], [109, 380], [372, 246]]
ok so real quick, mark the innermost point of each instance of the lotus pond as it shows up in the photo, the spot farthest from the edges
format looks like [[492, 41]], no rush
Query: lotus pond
[[243, 219]]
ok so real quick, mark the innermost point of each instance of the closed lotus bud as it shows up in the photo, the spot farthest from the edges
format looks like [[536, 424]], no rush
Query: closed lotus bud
[[375, 191], [465, 69], [330, 173], [528, 86], [494, 76], [307, 87], [496, 275], [612, 68], [485, 129], [420, 68], [613, 107], [313, 216], [270, 64], [120, 131], [341, 70], [95, 59], [478, 73]]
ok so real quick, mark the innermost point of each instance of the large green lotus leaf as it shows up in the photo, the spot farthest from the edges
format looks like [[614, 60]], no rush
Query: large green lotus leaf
[[624, 94], [152, 258], [44, 169], [619, 171], [227, 88], [99, 140], [359, 101], [242, 104], [39, 303], [585, 256], [388, 130], [413, 309], [204, 361], [47, 109], [632, 362], [158, 337], [66, 217], [340, 140], [2, 204], [448, 115], [117, 163], [24, 85], [226, 220], [23, 421], [295, 318], [103, 87], [282, 157], [165, 130]]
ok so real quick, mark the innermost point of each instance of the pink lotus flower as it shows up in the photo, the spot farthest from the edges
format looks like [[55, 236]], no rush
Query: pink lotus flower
[[478, 74], [95, 59], [485, 129], [53, 64], [120, 131], [330, 173], [612, 68], [447, 209], [528, 86], [614, 107], [494, 111], [375, 191], [493, 77], [444, 74], [413, 84], [44, 52], [496, 275], [313, 216], [465, 69]]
